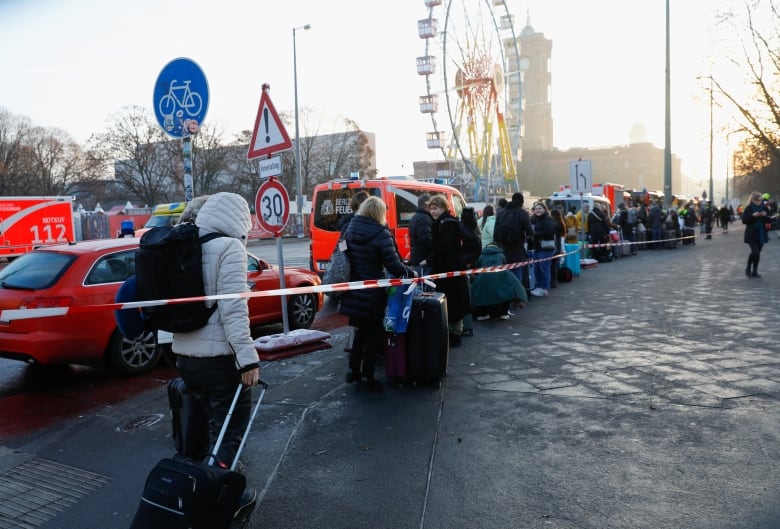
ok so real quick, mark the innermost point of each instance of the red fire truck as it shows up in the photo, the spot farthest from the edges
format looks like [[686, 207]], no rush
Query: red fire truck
[[29, 222]]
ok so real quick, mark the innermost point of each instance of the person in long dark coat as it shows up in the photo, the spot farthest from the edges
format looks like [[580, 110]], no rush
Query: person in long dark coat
[[371, 249], [420, 238], [511, 231], [444, 258], [754, 217], [598, 232], [725, 217]]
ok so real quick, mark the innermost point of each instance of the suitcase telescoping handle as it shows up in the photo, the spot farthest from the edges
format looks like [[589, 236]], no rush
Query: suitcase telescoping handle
[[212, 457]]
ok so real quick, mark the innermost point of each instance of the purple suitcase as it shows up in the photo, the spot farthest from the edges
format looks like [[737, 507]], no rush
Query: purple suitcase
[[395, 357]]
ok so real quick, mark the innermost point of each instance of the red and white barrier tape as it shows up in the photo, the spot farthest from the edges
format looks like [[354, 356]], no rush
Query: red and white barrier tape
[[9, 315]]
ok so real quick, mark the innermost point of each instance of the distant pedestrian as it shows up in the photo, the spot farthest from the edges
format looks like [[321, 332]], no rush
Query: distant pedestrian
[[599, 234], [754, 218], [707, 216], [560, 240], [544, 248], [725, 217], [582, 221], [571, 228], [655, 218], [513, 229]]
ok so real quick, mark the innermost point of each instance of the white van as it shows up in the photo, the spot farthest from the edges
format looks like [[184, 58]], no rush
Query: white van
[[569, 200]]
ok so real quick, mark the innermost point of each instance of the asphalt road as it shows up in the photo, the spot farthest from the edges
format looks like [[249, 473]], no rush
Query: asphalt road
[[643, 394]]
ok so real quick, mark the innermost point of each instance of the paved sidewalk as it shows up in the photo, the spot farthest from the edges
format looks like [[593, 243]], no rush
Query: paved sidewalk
[[643, 394]]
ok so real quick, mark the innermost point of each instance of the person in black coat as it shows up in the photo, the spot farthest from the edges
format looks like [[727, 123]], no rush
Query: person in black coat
[[420, 238], [445, 257], [512, 230], [371, 249], [544, 236], [754, 217], [599, 233]]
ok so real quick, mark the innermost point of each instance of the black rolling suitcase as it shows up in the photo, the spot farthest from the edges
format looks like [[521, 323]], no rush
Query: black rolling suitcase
[[190, 431], [689, 235], [428, 342], [670, 239], [182, 493]]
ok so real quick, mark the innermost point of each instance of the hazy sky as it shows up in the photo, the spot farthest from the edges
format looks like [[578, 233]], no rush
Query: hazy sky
[[72, 63]]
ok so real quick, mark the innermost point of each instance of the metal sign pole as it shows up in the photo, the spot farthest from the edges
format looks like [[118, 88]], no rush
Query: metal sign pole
[[582, 227], [280, 254], [186, 149]]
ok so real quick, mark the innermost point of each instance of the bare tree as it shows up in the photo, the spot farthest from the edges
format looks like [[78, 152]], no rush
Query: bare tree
[[338, 155], [335, 154], [38, 160], [15, 170], [57, 160], [142, 156], [758, 60], [210, 160]]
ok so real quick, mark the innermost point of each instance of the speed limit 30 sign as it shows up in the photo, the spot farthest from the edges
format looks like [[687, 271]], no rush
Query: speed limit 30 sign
[[272, 206]]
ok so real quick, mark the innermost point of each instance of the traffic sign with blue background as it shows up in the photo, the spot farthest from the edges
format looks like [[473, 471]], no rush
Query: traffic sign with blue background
[[181, 97]]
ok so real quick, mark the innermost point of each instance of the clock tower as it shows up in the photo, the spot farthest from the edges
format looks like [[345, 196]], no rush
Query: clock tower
[[536, 83]]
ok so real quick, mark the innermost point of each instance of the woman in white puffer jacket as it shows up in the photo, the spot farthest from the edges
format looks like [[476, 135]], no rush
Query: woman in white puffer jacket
[[214, 359]]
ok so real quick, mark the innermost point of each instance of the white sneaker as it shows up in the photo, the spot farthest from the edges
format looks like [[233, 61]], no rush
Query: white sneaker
[[537, 292], [483, 318], [504, 316]]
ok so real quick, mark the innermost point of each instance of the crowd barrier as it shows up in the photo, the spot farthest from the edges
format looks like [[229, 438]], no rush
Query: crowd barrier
[[9, 315]]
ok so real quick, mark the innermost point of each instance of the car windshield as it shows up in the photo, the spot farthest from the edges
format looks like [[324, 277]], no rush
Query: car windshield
[[35, 270], [332, 204], [161, 220]]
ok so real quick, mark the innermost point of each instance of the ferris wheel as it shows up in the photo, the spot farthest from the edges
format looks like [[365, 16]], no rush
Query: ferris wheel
[[472, 72]]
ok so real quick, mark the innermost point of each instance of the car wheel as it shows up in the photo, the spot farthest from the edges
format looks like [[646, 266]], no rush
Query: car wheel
[[133, 356], [301, 309]]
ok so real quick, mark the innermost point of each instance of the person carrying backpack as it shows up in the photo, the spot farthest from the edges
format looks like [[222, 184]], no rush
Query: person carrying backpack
[[215, 358], [512, 230]]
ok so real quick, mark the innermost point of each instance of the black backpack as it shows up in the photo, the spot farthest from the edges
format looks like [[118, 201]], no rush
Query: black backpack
[[169, 265], [505, 229], [470, 245]]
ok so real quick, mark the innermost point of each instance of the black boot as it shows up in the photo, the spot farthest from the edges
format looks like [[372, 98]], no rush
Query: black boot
[[454, 339]]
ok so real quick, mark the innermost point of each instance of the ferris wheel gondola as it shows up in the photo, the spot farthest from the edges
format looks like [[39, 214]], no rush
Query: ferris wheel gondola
[[473, 98]]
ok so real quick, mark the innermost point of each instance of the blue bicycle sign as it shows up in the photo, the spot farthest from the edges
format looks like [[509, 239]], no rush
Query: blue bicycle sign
[[181, 96]]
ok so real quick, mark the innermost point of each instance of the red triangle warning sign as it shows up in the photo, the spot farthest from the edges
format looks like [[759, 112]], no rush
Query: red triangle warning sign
[[269, 135]]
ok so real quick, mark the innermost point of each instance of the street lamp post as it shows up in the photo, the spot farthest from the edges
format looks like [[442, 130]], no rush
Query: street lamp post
[[712, 197], [729, 162], [298, 178]]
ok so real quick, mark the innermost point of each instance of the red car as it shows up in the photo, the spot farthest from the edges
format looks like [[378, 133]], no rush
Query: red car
[[90, 273]]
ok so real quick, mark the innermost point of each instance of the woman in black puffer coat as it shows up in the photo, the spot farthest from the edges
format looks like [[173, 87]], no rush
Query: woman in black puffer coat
[[445, 257], [371, 249]]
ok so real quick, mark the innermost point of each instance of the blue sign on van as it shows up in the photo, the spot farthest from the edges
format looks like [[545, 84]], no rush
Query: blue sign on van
[[181, 97]]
